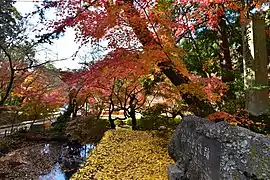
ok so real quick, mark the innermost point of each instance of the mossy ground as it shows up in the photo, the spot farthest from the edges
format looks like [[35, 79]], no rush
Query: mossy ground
[[126, 154]]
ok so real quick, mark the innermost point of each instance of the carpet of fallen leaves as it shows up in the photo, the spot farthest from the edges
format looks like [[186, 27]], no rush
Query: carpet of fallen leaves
[[126, 154]]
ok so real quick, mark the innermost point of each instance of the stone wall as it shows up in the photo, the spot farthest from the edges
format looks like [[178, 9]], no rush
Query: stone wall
[[213, 151]]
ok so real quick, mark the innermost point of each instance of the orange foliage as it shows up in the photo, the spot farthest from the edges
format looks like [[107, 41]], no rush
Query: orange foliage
[[142, 35], [241, 120], [38, 87], [211, 89]]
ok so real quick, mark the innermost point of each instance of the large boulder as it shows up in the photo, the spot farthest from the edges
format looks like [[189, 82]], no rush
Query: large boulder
[[204, 150]]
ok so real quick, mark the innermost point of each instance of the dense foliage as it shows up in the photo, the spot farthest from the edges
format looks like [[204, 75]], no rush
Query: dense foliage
[[9, 20], [87, 129], [150, 33], [28, 88], [153, 119]]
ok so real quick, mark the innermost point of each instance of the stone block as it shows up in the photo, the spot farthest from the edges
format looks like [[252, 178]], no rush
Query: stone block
[[204, 150]]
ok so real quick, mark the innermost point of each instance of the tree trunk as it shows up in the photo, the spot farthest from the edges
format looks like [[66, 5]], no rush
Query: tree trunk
[[197, 106], [11, 79], [74, 109], [33, 122], [111, 109], [111, 120], [69, 110], [75, 112], [226, 65], [9, 88], [99, 113], [255, 67], [133, 119], [132, 112], [86, 109]]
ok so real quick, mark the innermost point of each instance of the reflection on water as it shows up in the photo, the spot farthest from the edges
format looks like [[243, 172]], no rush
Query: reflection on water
[[70, 158], [46, 149], [56, 173]]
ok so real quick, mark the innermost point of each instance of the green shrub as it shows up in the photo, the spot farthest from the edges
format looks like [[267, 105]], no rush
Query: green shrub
[[87, 129], [119, 123], [61, 123], [174, 121], [153, 120], [129, 122], [5, 146]]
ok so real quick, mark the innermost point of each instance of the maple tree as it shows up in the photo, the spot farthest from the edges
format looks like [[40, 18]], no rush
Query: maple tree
[[141, 25], [117, 70], [130, 96], [39, 94], [116, 82], [73, 83], [88, 91], [167, 95], [10, 58], [17, 50], [127, 86], [13, 68], [240, 118], [6, 77], [96, 103]]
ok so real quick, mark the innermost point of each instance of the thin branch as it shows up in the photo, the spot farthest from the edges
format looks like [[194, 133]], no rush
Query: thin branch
[[12, 77], [41, 64]]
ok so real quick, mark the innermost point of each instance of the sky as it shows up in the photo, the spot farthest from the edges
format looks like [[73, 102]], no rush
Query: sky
[[62, 48]]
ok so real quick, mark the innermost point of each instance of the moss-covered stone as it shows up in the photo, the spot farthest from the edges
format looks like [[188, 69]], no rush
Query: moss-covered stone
[[215, 151]]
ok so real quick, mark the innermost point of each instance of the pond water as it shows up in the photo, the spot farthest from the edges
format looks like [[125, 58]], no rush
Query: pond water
[[69, 159], [43, 161]]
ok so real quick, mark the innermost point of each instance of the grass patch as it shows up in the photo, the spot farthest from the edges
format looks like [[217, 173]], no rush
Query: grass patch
[[126, 154]]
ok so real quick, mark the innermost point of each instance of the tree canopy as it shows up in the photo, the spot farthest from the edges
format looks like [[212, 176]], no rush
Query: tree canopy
[[197, 45]]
